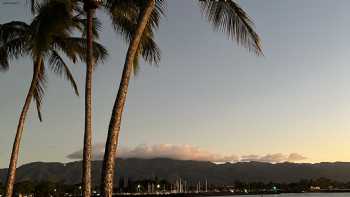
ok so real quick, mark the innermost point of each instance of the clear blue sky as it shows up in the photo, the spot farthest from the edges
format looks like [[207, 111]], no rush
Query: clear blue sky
[[206, 92]]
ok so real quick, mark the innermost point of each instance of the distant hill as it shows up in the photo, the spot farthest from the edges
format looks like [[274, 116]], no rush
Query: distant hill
[[192, 171]]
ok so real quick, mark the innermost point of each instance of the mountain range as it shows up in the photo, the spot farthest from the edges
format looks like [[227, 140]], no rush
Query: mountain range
[[192, 171]]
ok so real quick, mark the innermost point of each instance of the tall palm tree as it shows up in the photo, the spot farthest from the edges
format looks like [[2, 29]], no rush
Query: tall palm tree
[[224, 15], [145, 18], [43, 39], [90, 32], [89, 7], [122, 20], [123, 15]]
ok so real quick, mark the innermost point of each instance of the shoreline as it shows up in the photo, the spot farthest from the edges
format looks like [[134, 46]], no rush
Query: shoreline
[[224, 193]]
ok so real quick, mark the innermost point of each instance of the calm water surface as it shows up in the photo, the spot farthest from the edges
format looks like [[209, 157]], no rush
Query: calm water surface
[[303, 195]]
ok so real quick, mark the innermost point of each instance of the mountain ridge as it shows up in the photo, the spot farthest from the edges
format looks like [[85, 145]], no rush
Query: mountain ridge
[[192, 171]]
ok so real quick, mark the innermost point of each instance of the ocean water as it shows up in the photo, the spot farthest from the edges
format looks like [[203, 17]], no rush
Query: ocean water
[[302, 195]]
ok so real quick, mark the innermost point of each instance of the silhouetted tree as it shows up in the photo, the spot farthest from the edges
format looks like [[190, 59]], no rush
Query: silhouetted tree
[[25, 187], [43, 39], [224, 15]]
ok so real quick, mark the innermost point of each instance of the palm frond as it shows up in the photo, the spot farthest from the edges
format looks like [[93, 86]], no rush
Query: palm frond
[[54, 18], [12, 41], [226, 16], [12, 30], [4, 60], [124, 16], [74, 47], [149, 49], [50, 29], [58, 66], [100, 53], [40, 87], [12, 50], [157, 13], [97, 26], [65, 45]]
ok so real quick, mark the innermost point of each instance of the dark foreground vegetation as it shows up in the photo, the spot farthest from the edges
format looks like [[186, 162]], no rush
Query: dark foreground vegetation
[[151, 187]]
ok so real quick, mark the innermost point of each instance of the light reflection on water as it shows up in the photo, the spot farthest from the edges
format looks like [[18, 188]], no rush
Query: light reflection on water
[[301, 195]]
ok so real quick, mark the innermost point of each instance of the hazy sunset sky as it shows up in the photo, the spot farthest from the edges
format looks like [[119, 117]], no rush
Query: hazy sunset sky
[[207, 92]]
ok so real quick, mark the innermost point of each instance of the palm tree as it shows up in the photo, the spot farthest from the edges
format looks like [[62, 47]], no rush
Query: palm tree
[[224, 15], [124, 20], [122, 17], [43, 39], [144, 17], [89, 7]]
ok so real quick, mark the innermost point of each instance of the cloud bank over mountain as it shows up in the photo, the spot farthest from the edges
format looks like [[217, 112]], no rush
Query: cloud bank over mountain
[[186, 152], [274, 158]]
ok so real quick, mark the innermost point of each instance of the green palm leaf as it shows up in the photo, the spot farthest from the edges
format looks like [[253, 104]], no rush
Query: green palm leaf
[[40, 86], [97, 27], [4, 59], [58, 66], [74, 47], [124, 16], [228, 17], [11, 50], [48, 34], [12, 30]]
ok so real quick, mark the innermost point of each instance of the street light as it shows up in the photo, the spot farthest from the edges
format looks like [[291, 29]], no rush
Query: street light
[[138, 187], [81, 192]]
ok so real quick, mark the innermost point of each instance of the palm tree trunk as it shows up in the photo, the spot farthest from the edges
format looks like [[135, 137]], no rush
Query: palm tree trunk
[[11, 175], [115, 122], [87, 150]]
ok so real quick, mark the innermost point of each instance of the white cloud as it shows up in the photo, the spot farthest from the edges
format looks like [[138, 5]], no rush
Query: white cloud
[[246, 158], [274, 158], [181, 152], [293, 157], [186, 152]]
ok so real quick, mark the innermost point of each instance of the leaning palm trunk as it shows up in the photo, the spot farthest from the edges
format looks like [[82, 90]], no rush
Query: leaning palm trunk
[[87, 150], [115, 122], [11, 176]]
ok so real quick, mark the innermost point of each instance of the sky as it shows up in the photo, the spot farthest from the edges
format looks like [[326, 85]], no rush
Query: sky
[[208, 99]]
